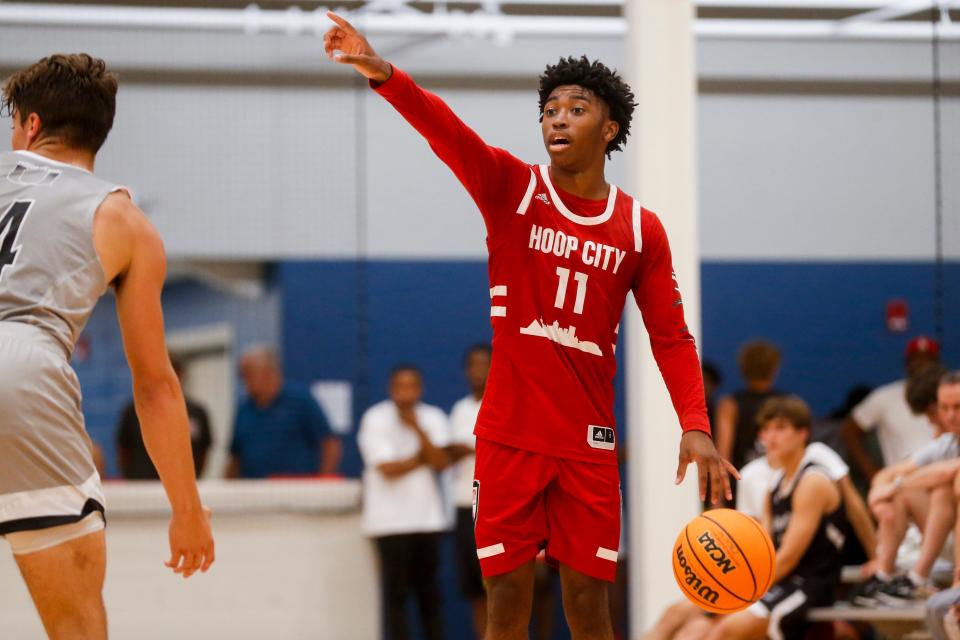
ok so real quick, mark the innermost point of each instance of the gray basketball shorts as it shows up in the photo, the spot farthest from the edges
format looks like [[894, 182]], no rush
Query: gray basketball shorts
[[47, 475]]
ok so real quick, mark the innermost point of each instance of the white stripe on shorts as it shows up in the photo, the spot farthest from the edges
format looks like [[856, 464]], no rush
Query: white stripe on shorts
[[53, 501], [492, 550], [24, 542], [781, 610], [607, 554]]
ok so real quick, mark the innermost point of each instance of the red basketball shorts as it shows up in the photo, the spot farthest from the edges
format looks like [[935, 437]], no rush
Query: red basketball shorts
[[524, 501]]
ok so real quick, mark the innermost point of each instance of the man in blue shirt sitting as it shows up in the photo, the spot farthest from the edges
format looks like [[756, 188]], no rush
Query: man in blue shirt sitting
[[280, 429]]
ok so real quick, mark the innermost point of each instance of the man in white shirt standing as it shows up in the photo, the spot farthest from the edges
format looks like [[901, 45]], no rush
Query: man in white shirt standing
[[402, 445], [462, 449], [900, 432]]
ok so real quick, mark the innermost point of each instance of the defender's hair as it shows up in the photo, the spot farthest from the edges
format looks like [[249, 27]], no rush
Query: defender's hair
[[74, 95]]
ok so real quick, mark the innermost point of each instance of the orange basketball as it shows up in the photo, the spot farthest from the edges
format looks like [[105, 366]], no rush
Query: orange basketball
[[723, 561]]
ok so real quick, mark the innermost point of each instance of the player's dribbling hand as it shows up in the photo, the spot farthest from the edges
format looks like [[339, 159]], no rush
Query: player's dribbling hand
[[697, 446], [354, 49], [191, 543]]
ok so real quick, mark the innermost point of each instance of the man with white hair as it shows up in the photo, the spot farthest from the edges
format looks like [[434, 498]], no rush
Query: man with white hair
[[279, 429]]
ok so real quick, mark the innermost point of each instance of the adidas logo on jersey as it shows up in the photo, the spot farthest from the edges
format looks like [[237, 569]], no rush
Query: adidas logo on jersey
[[542, 197], [601, 437]]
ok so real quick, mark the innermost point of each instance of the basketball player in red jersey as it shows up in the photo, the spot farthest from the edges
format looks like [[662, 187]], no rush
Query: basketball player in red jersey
[[566, 248]]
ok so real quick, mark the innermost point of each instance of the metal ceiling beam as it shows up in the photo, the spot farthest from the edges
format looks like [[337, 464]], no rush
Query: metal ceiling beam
[[502, 28], [894, 10]]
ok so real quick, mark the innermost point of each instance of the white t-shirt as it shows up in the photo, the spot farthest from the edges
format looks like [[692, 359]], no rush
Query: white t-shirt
[[758, 478], [945, 447], [463, 419], [900, 431], [411, 503]]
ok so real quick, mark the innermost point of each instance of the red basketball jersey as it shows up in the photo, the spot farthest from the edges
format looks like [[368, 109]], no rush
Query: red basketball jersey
[[561, 269]]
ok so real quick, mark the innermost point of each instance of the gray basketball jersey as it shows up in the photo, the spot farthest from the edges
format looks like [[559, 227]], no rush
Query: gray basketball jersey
[[50, 275]]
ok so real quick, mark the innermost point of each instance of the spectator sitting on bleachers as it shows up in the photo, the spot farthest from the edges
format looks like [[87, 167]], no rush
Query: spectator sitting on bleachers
[[919, 489], [758, 477], [942, 607], [899, 431], [803, 512]]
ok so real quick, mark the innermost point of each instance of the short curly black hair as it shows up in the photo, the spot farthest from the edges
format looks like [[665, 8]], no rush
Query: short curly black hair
[[602, 81]]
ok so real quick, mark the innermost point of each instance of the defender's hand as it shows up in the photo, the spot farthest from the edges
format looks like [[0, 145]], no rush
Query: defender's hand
[[697, 446], [354, 49], [191, 543]]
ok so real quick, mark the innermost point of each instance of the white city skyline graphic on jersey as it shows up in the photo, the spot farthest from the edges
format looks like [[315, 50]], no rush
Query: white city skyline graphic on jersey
[[566, 337]]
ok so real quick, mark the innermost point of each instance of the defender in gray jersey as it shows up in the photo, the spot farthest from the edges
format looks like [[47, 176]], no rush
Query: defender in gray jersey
[[65, 237]]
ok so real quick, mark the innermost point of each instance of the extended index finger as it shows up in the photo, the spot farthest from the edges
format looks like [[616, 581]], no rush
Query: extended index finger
[[341, 22]]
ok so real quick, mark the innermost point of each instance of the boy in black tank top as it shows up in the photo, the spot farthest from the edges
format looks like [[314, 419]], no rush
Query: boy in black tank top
[[736, 420], [804, 514]]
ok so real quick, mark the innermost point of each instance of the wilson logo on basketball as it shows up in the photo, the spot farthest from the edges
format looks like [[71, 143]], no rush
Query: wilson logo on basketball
[[694, 581], [724, 561], [715, 553]]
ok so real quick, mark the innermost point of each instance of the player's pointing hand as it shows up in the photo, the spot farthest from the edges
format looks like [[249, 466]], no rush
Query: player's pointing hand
[[344, 44], [697, 446]]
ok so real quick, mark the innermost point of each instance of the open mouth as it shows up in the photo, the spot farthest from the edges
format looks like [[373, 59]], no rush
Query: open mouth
[[558, 142]]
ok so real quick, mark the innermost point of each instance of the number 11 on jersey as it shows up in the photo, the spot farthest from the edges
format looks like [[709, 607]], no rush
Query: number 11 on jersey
[[581, 278]]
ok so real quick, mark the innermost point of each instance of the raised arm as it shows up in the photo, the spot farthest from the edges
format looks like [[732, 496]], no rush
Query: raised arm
[[658, 296], [494, 178], [133, 259]]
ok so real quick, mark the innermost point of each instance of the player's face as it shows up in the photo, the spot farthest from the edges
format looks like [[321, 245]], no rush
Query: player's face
[[576, 127], [477, 369], [948, 407], [406, 388], [781, 440]]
